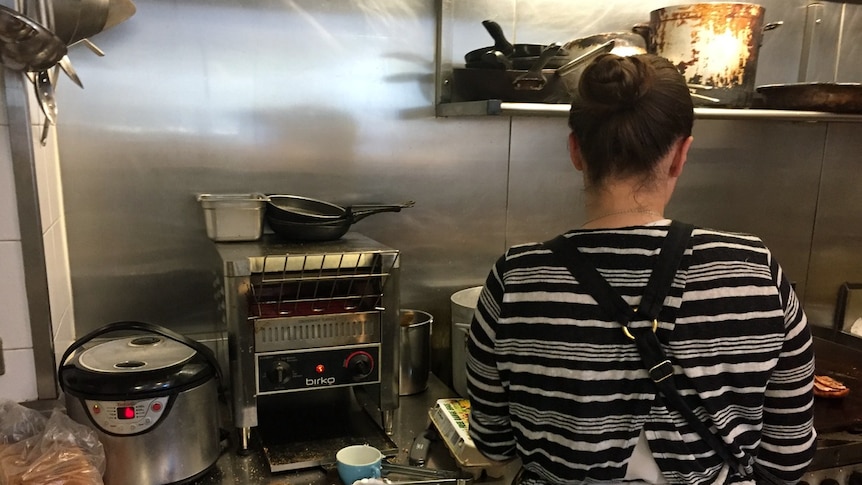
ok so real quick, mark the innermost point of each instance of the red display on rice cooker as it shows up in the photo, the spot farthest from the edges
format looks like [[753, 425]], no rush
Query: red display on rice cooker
[[125, 412]]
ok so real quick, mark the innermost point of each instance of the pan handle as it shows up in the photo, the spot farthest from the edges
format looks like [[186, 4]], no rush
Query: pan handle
[[534, 78], [358, 212], [501, 43]]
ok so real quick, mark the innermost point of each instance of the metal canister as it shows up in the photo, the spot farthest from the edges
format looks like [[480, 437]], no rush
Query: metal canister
[[415, 349]]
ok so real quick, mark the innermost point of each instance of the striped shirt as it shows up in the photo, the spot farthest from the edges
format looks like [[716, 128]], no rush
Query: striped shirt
[[552, 378]]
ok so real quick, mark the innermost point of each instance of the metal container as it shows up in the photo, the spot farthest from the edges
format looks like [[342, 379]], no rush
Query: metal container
[[415, 351], [463, 305], [233, 217], [151, 400], [714, 45]]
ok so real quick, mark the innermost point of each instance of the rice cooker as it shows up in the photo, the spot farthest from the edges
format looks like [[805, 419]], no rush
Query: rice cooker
[[151, 398]]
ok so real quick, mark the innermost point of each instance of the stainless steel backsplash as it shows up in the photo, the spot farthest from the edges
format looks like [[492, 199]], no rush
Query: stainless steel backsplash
[[335, 100]]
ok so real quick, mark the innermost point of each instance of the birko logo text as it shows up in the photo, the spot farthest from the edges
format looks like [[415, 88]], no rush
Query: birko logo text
[[320, 381]]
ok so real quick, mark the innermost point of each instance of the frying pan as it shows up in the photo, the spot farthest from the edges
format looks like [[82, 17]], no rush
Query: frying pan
[[504, 54], [815, 96], [303, 209], [502, 44], [304, 219]]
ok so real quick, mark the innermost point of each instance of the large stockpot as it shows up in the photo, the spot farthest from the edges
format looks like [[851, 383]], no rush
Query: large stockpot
[[714, 45], [152, 399]]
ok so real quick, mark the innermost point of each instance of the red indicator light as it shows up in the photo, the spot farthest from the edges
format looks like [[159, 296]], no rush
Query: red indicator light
[[319, 368], [125, 412], [157, 406]]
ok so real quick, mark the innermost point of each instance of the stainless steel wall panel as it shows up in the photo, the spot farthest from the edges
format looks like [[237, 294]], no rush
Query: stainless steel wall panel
[[837, 235], [335, 99], [545, 189], [326, 99], [755, 177], [752, 177], [850, 54]]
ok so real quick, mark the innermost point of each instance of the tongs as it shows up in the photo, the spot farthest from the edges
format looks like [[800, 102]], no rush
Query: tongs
[[423, 475]]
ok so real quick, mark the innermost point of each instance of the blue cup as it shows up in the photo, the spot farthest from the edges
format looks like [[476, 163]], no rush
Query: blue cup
[[357, 462]]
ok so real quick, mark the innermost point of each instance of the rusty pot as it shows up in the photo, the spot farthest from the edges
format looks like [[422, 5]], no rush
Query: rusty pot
[[714, 45]]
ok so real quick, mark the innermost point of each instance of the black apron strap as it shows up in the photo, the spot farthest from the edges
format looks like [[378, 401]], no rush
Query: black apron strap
[[657, 287], [656, 362]]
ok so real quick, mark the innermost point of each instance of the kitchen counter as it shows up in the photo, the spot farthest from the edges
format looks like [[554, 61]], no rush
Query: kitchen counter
[[411, 419]]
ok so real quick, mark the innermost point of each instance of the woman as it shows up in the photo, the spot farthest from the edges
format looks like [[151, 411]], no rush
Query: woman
[[552, 378]]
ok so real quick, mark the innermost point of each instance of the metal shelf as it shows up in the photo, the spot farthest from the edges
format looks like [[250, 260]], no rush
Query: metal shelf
[[496, 107]]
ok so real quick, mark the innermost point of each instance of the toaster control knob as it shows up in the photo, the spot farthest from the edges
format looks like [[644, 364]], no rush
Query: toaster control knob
[[279, 373], [829, 481], [855, 478], [359, 365]]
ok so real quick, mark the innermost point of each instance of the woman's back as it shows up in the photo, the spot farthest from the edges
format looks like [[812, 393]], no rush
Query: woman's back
[[550, 370]]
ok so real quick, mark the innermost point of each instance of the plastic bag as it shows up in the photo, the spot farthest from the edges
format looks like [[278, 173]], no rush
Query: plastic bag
[[59, 451], [18, 422]]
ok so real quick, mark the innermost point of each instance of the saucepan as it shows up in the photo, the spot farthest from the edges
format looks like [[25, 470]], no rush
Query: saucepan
[[306, 219]]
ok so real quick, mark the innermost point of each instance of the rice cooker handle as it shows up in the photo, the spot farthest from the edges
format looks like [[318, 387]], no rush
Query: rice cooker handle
[[147, 327]]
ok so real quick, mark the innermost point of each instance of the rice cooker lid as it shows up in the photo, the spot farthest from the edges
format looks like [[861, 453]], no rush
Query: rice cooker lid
[[136, 365]]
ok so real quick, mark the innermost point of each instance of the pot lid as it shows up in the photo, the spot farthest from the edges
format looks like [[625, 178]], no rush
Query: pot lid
[[135, 354]]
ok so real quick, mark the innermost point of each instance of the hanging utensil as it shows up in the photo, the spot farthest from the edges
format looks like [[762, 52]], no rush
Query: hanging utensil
[[25, 45], [66, 65], [81, 19], [45, 96]]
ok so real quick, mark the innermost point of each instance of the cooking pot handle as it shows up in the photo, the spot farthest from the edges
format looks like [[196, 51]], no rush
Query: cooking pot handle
[[147, 327], [644, 31], [772, 26], [768, 27]]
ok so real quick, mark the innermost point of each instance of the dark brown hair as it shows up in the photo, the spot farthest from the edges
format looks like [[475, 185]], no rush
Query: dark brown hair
[[628, 113]]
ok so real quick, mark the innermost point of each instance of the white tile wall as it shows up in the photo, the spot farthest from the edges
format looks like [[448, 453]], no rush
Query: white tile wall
[[8, 206], [15, 327], [19, 381]]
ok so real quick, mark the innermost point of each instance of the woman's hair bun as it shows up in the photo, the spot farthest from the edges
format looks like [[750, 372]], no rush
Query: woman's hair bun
[[615, 82]]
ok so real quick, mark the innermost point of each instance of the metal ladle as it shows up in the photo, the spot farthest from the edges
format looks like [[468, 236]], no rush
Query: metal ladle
[[45, 95]]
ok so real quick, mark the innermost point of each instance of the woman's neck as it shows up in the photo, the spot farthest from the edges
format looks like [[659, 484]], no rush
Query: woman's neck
[[620, 205]]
